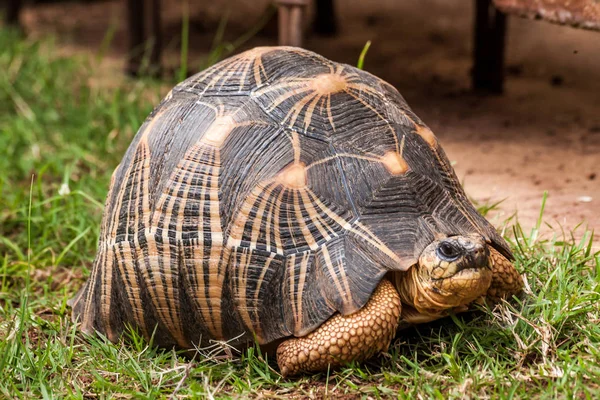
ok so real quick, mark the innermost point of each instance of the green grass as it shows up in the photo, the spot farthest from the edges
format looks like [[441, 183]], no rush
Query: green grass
[[60, 141]]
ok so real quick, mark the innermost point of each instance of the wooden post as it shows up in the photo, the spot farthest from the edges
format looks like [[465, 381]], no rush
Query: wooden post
[[488, 49], [13, 11], [325, 22], [291, 15], [283, 23], [138, 16], [156, 38], [135, 23], [295, 34]]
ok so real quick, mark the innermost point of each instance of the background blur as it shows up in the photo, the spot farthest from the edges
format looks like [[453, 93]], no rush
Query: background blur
[[542, 134]]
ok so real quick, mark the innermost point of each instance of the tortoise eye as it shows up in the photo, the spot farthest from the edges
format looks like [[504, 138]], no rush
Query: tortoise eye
[[448, 252]]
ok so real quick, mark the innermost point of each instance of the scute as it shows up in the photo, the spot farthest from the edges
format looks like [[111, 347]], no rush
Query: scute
[[263, 195]]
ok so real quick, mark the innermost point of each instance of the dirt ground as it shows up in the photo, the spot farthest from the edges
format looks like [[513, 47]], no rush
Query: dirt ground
[[543, 134]]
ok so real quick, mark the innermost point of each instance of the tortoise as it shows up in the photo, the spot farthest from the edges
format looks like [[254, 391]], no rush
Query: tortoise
[[280, 197]]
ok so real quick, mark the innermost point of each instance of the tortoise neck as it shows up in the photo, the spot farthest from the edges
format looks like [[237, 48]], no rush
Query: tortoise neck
[[405, 286], [413, 293]]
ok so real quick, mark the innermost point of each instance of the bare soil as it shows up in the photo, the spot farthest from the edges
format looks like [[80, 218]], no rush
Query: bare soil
[[543, 134]]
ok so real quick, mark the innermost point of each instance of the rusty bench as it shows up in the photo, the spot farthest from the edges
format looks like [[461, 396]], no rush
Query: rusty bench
[[490, 27]]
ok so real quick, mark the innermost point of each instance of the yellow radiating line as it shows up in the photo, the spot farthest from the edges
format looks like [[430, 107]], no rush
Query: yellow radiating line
[[292, 272], [258, 67], [285, 84], [308, 237], [321, 104], [106, 221], [259, 282], [296, 146], [196, 265], [278, 244], [249, 63], [323, 222], [222, 66], [375, 239], [232, 71], [112, 227], [340, 155], [187, 178], [297, 108], [270, 223], [314, 216], [127, 269], [347, 293], [361, 87], [301, 281], [223, 70], [351, 76], [87, 318], [331, 268], [241, 293], [144, 191], [208, 105], [135, 176], [158, 297], [215, 273], [165, 295], [309, 112], [329, 115], [237, 230], [198, 270], [289, 220], [287, 95], [106, 294], [402, 143], [256, 225], [208, 72], [119, 203], [380, 116], [168, 315], [347, 226], [184, 179]]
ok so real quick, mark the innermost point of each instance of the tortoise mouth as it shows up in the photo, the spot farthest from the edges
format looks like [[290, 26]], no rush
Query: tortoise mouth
[[463, 270], [464, 286]]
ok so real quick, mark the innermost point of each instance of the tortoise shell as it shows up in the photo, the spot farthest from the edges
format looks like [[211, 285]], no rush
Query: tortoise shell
[[263, 195]]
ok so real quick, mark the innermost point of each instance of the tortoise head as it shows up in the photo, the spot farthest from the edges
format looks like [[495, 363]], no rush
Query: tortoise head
[[451, 272]]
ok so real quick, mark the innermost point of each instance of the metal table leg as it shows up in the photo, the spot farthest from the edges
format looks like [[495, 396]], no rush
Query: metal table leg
[[488, 50]]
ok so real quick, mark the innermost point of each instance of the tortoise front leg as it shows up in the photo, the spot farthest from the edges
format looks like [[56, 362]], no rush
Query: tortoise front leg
[[342, 339], [506, 280]]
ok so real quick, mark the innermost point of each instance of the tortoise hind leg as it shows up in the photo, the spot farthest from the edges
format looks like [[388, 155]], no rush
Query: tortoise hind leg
[[343, 339], [506, 280]]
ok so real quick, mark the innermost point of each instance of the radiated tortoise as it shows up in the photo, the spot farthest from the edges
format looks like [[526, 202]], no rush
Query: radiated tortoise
[[281, 197]]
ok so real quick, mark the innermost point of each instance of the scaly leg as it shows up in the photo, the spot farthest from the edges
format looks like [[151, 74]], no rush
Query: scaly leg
[[342, 339]]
